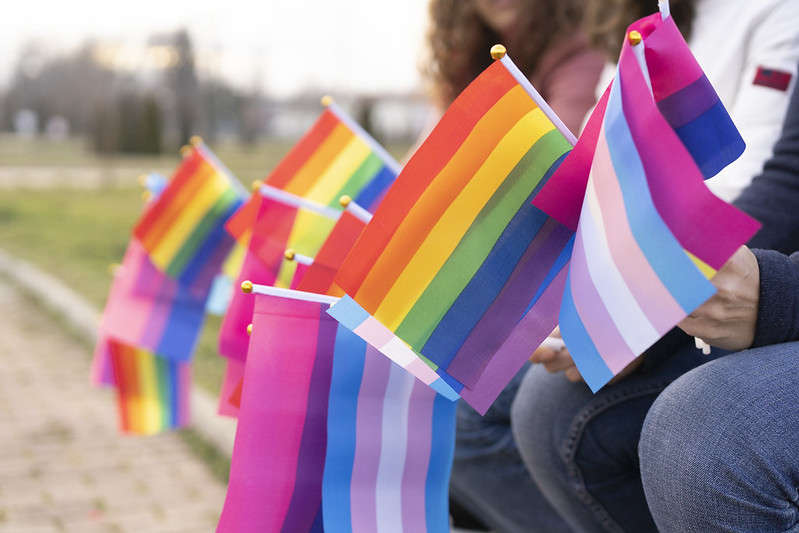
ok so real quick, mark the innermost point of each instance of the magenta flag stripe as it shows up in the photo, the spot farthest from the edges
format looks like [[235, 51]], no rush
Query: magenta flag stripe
[[593, 313], [368, 427], [272, 416], [669, 60], [417, 457], [531, 331], [306, 500], [658, 304], [506, 311], [715, 235]]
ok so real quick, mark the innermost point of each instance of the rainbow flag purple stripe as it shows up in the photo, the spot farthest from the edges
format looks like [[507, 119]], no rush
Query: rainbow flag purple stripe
[[644, 250], [390, 444]]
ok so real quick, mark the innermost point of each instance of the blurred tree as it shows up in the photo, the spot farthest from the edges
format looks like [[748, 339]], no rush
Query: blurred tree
[[185, 86]]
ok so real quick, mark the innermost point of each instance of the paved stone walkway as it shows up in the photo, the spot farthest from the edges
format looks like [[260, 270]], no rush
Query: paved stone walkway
[[63, 464]]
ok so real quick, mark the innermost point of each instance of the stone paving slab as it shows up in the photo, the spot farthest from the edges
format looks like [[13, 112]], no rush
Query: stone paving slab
[[64, 467]]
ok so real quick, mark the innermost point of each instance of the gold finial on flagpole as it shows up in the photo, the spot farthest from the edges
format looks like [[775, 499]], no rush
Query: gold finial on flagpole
[[498, 51], [143, 180], [246, 286], [327, 100], [185, 150], [345, 200], [635, 37], [249, 329], [147, 195], [289, 254], [195, 140], [256, 185]]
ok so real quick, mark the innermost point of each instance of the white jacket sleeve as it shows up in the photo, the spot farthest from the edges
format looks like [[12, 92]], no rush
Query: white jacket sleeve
[[759, 111]]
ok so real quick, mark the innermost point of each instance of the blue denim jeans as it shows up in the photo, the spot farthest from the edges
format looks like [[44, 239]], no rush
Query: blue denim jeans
[[720, 446], [551, 456]]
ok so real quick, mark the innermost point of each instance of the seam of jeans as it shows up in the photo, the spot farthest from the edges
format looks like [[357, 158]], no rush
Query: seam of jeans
[[569, 447]]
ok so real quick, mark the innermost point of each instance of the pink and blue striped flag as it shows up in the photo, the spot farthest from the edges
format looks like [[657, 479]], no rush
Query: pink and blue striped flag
[[650, 233], [283, 457], [390, 443]]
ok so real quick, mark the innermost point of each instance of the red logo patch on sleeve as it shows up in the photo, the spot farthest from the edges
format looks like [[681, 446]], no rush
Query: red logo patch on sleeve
[[775, 79]]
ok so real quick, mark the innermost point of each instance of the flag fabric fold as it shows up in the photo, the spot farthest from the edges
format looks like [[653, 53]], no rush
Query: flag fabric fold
[[685, 99]]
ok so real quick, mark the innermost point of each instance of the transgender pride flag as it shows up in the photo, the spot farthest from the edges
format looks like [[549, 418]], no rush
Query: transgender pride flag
[[650, 233]]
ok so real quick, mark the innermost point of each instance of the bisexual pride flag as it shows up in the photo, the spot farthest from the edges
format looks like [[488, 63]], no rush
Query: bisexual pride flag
[[686, 101]]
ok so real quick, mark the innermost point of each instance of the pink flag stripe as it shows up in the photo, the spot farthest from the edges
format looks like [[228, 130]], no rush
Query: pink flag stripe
[[363, 499], [649, 291], [600, 327], [420, 435]]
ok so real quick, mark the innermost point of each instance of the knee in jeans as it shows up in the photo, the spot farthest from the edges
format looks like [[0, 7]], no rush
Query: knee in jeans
[[537, 424]]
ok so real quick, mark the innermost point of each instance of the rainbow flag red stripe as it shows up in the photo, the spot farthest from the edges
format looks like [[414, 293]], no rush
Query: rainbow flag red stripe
[[153, 392]]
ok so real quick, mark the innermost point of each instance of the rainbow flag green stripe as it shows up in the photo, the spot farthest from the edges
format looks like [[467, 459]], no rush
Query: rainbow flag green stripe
[[480, 238]]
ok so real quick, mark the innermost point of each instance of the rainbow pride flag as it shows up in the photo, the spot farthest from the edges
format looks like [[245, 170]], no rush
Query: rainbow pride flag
[[390, 444], [445, 269], [650, 233], [184, 227], [318, 278], [148, 309], [270, 225], [153, 392], [335, 157]]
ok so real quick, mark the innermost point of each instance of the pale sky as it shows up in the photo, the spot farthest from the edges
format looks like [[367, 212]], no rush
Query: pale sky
[[335, 45]]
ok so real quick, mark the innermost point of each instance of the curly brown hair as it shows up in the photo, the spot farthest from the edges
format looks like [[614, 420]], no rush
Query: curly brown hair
[[606, 20], [459, 40]]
